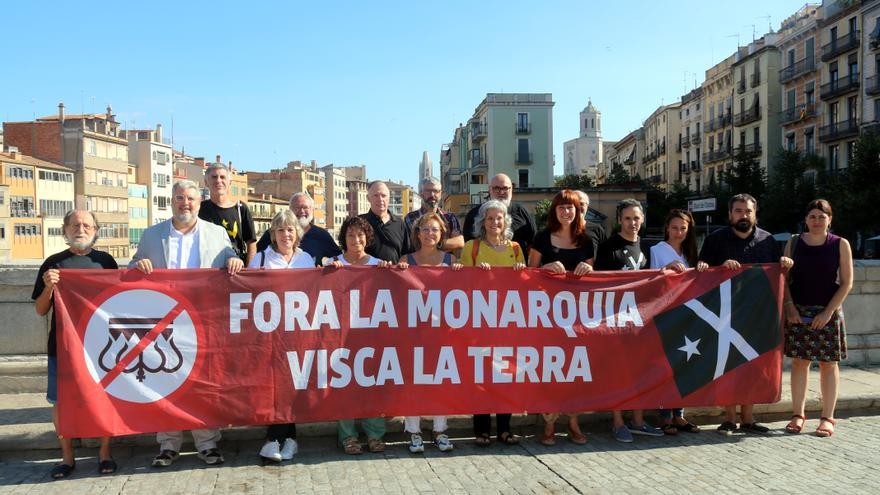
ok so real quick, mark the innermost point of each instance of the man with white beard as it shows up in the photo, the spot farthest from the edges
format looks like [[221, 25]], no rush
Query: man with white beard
[[80, 230], [315, 241], [184, 242], [522, 222]]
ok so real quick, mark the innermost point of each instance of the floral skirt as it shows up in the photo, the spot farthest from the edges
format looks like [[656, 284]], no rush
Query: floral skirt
[[825, 344]]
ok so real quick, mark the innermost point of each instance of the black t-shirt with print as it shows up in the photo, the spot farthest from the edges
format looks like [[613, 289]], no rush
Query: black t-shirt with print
[[237, 221], [618, 253], [66, 259]]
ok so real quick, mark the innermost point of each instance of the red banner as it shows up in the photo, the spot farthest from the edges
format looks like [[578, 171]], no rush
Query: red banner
[[199, 348]]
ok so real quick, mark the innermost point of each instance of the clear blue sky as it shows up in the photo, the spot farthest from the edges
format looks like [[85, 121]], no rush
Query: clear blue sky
[[349, 83]]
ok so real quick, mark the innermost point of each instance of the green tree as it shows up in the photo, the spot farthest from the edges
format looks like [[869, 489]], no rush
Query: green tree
[[853, 192], [746, 175], [618, 175], [542, 209], [573, 181], [792, 185]]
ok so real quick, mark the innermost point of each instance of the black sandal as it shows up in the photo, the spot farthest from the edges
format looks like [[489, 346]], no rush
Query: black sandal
[[61, 471], [107, 466], [483, 440], [688, 427], [669, 429], [508, 438]]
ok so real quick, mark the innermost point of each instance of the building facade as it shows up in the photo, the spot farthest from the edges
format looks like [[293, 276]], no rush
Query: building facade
[[800, 115], [336, 192], [584, 154], [152, 158], [662, 130], [25, 228], [718, 124], [757, 101], [54, 198], [295, 177], [690, 144]]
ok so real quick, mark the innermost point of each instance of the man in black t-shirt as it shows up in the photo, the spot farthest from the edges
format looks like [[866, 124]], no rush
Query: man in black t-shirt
[[622, 252], [234, 216], [80, 232]]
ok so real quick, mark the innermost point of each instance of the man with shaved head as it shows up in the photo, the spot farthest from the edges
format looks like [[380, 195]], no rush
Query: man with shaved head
[[523, 223], [390, 238]]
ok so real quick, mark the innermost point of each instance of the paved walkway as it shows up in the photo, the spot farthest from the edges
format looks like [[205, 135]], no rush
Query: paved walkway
[[705, 462]]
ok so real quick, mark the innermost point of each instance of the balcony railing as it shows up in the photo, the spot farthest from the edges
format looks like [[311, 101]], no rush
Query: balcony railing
[[840, 45], [650, 157], [524, 158], [797, 113], [695, 166], [686, 141], [872, 85], [756, 79], [478, 131], [714, 156], [747, 117], [839, 130], [655, 179], [477, 160], [523, 128], [839, 87], [696, 138], [800, 67], [750, 148], [741, 86]]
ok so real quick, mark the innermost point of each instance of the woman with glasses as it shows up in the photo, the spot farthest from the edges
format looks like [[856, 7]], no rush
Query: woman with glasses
[[285, 234], [428, 234]]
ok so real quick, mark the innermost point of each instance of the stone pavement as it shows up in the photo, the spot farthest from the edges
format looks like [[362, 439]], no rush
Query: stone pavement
[[702, 463]]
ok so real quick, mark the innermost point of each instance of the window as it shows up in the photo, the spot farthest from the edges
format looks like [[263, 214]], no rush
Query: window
[[54, 231], [20, 173], [833, 152], [522, 123], [21, 207], [810, 92], [523, 177], [55, 208], [790, 142]]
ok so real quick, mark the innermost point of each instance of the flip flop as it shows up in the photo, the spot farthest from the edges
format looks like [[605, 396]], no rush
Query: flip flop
[[107, 466], [61, 471]]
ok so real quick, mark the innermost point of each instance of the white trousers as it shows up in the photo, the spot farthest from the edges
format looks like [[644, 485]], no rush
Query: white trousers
[[412, 424], [173, 440]]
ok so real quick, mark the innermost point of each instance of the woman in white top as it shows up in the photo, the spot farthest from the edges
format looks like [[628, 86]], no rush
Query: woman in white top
[[677, 252], [428, 234], [355, 235], [285, 234]]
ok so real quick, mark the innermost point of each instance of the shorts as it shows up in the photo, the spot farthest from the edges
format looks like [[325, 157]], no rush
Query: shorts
[[52, 388]]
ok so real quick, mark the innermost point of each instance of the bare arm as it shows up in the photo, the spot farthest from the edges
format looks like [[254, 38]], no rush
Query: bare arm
[[251, 251], [44, 301], [846, 280], [453, 243]]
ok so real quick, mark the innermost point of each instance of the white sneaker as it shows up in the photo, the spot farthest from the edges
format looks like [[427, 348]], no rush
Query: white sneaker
[[442, 442], [289, 449], [416, 445], [271, 450]]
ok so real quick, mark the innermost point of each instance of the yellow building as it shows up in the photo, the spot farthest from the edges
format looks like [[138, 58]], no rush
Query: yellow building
[[662, 157], [5, 232], [18, 172]]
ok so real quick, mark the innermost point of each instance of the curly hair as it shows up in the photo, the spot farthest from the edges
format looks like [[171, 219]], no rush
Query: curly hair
[[355, 223], [480, 229]]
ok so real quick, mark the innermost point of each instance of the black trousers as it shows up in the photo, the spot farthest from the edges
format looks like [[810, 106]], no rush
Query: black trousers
[[483, 424], [281, 432]]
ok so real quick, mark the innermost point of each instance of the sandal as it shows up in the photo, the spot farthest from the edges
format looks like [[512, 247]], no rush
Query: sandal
[[107, 466], [793, 426], [376, 445], [825, 432], [577, 438], [688, 427], [548, 440], [352, 446], [61, 471], [483, 440], [508, 438], [669, 429]]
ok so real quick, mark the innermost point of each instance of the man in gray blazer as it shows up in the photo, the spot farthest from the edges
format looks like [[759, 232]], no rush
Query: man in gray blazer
[[183, 242]]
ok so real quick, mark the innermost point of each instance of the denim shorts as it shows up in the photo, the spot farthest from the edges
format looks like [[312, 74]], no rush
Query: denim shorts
[[52, 388]]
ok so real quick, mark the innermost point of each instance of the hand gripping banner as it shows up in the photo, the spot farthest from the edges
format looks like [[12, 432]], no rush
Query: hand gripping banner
[[200, 348]]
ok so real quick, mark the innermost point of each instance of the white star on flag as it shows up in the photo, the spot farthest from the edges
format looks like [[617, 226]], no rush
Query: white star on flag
[[690, 347]]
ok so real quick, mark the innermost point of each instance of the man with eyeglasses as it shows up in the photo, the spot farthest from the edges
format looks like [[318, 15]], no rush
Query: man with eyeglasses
[[80, 229], [431, 191], [522, 222], [184, 242], [315, 241]]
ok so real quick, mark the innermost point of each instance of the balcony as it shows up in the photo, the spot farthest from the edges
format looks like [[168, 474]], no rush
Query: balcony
[[747, 117], [686, 141], [797, 113], [722, 120], [751, 148], [695, 166], [839, 130], [756, 79], [478, 131], [524, 158], [872, 85], [714, 156], [839, 87], [650, 157], [696, 138], [741, 86], [655, 179], [802, 66], [478, 159], [710, 125], [840, 45], [523, 128]]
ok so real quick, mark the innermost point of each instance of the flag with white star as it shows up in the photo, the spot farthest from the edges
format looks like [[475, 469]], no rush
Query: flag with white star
[[724, 328]]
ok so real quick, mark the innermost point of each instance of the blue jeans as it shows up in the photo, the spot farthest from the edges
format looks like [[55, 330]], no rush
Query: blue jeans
[[52, 388]]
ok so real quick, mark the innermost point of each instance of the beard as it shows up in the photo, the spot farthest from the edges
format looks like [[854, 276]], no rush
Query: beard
[[430, 203], [304, 222], [80, 243], [743, 226], [505, 201], [185, 217]]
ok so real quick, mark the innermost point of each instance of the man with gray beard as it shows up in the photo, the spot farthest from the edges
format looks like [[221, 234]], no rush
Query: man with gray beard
[[315, 241], [184, 242], [80, 229]]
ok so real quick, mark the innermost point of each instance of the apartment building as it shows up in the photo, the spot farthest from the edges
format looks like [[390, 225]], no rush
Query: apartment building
[[690, 143], [295, 177], [336, 192], [840, 33], [90, 145], [18, 174], [756, 103], [718, 90], [870, 50], [151, 154], [138, 210], [402, 198], [662, 131], [356, 186], [453, 173], [800, 115], [5, 232], [54, 193], [263, 208]]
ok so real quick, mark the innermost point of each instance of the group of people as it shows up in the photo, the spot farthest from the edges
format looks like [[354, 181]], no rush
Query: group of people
[[499, 233]]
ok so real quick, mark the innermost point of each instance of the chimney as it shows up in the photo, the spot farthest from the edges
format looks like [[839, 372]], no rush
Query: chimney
[[230, 166], [218, 159], [158, 133], [109, 113], [61, 112]]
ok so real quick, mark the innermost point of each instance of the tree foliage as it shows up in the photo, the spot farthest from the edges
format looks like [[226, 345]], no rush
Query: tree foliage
[[542, 209], [573, 181]]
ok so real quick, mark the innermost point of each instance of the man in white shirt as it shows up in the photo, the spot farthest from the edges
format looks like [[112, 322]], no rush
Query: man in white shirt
[[184, 242]]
